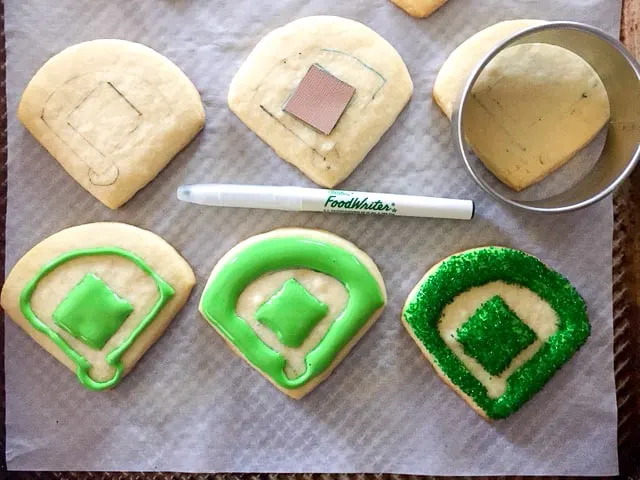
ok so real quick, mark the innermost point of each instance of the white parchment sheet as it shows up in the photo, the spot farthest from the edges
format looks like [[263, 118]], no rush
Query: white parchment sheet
[[191, 404]]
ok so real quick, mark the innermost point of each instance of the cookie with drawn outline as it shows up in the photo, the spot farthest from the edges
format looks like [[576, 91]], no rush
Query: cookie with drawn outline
[[293, 302], [113, 113], [97, 296], [360, 86], [419, 8], [496, 324], [532, 108]]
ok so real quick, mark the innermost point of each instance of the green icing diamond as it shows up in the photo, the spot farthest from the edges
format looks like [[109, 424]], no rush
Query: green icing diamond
[[92, 312], [291, 313], [494, 335]]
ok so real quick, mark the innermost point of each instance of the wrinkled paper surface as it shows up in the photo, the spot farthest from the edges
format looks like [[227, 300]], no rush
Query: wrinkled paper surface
[[191, 404]]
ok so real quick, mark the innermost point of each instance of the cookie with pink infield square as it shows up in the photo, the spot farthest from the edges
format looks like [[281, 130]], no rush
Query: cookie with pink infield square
[[320, 99], [321, 92]]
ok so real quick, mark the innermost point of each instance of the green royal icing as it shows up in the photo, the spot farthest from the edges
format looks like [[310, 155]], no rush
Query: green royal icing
[[291, 313], [494, 335], [114, 357], [475, 268], [92, 312], [221, 296]]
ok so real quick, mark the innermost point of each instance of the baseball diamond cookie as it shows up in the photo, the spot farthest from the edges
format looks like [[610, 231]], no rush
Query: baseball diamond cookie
[[293, 302], [419, 8], [97, 296], [531, 109], [496, 324], [321, 91], [113, 114]]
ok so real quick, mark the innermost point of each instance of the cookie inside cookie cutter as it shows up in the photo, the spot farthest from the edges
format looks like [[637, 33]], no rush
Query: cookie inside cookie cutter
[[620, 74]]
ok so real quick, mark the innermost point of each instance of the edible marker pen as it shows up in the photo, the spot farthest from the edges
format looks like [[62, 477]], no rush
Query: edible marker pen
[[321, 200]]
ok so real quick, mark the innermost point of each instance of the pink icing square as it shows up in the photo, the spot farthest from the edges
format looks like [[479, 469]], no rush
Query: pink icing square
[[320, 100]]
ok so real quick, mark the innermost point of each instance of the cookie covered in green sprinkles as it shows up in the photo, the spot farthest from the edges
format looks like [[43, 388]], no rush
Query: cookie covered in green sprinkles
[[496, 324]]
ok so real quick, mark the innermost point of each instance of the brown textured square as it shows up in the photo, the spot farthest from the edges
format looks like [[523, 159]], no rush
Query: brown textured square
[[320, 99]]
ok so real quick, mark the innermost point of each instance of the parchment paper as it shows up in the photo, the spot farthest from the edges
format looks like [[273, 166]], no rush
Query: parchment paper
[[191, 404]]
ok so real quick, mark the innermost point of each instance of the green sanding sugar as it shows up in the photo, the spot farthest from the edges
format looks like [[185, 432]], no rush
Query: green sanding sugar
[[494, 335], [475, 268]]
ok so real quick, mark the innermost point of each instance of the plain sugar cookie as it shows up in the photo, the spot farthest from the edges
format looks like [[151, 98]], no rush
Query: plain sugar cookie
[[113, 113], [496, 324], [419, 8], [97, 296], [292, 303], [336, 51], [455, 71], [532, 108]]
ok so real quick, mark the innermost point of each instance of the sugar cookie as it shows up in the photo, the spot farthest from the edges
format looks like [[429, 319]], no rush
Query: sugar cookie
[[496, 324], [292, 303], [419, 8], [97, 296], [533, 107], [347, 50], [113, 113], [455, 71]]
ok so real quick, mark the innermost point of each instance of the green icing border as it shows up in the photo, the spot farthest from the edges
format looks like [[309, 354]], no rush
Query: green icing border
[[113, 358], [272, 254], [475, 268]]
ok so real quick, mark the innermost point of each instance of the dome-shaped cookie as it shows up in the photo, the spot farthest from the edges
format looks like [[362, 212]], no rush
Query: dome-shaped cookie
[[113, 113], [359, 81]]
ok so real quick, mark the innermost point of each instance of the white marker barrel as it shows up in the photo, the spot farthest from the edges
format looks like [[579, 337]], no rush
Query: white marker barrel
[[320, 200]]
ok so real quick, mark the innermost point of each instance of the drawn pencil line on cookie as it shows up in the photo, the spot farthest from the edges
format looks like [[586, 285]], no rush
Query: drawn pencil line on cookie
[[113, 178], [532, 108], [273, 116], [352, 56], [384, 80], [336, 52], [502, 128], [109, 174], [113, 114], [358, 94], [124, 98]]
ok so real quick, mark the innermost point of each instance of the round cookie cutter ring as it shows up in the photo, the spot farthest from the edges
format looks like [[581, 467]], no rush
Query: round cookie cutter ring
[[620, 74]]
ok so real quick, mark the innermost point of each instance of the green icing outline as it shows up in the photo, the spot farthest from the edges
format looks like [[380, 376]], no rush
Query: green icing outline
[[278, 253], [113, 358], [475, 268]]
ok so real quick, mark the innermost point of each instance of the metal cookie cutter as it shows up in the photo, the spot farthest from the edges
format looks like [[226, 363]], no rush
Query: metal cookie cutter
[[620, 74]]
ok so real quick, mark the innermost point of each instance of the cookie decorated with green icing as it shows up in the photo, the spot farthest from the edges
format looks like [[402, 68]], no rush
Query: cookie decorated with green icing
[[97, 296], [496, 324], [293, 302]]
